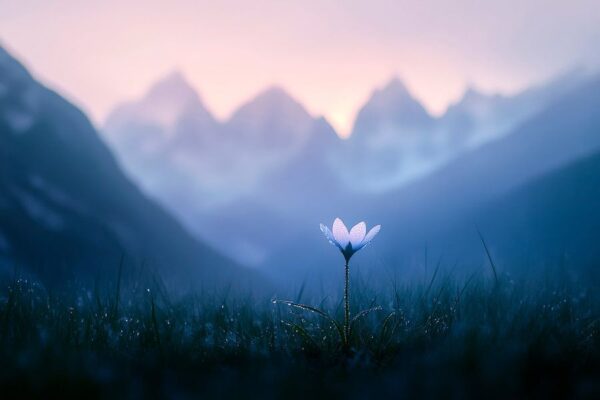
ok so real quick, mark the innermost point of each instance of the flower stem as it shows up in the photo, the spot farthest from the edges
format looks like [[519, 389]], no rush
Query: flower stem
[[347, 309]]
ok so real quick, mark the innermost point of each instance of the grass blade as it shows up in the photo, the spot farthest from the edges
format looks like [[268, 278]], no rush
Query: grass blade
[[487, 251], [362, 314], [316, 311]]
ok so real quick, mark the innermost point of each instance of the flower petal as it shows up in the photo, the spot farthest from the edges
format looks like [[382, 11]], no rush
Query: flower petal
[[340, 233], [329, 236], [357, 234], [374, 231]]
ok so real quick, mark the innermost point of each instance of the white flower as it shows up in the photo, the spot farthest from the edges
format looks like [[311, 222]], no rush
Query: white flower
[[349, 242]]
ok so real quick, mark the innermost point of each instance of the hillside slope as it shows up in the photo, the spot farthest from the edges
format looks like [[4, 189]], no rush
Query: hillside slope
[[65, 206]]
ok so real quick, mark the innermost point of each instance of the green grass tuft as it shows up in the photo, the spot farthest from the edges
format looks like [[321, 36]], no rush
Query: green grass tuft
[[445, 338]]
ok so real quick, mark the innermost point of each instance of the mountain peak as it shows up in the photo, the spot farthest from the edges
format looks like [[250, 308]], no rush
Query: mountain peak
[[274, 90], [164, 104], [272, 101], [394, 95], [391, 107], [272, 118], [395, 86], [474, 103], [472, 96], [173, 87], [175, 78], [275, 95]]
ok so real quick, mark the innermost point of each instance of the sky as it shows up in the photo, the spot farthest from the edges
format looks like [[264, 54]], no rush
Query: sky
[[329, 55]]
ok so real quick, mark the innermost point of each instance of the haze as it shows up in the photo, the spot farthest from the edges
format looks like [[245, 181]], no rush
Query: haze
[[328, 54]]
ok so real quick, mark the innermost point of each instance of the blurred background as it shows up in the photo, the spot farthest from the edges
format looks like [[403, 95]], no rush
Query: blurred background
[[206, 141]]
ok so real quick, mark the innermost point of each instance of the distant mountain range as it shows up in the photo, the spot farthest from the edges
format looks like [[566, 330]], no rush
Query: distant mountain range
[[395, 141], [520, 189], [522, 169], [67, 210], [471, 190], [274, 162], [267, 159], [219, 161]]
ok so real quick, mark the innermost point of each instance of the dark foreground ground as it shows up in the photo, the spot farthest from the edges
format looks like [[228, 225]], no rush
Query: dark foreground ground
[[441, 339]]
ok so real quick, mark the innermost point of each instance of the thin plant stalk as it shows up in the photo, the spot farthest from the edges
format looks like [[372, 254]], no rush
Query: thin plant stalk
[[347, 307]]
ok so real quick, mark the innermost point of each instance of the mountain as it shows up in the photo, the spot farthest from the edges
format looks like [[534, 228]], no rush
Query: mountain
[[272, 172], [548, 223], [271, 121], [391, 132], [294, 194], [262, 164], [219, 161], [162, 106], [391, 109], [66, 209], [479, 117], [264, 135], [564, 132], [395, 141], [441, 211], [476, 115], [551, 220], [145, 133], [251, 226]]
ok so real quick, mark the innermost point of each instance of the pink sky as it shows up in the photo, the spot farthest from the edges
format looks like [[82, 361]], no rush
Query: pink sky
[[327, 54]]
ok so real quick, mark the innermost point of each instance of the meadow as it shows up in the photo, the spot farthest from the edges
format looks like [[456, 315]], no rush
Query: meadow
[[441, 338]]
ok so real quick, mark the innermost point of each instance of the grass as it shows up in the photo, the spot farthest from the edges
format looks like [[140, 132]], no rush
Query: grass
[[444, 338]]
